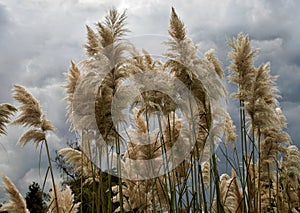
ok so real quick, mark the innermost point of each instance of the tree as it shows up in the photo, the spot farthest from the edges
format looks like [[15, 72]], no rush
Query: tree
[[84, 187], [35, 199]]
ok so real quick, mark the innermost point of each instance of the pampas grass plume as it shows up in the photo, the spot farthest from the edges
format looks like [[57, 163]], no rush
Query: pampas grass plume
[[65, 200], [6, 110], [17, 204]]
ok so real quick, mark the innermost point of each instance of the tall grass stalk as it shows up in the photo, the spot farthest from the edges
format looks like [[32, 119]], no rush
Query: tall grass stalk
[[52, 175]]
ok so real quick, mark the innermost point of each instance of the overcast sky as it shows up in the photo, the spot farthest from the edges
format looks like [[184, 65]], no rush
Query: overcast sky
[[38, 38]]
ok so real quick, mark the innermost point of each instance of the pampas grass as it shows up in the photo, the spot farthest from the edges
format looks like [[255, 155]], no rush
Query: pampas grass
[[6, 110], [16, 202], [65, 200], [79, 161], [211, 57], [242, 64], [31, 115], [262, 128], [30, 110], [231, 196], [177, 28], [73, 76], [264, 166], [32, 135]]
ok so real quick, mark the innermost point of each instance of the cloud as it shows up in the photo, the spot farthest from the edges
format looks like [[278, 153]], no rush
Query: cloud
[[292, 112], [289, 83], [16, 160], [4, 19]]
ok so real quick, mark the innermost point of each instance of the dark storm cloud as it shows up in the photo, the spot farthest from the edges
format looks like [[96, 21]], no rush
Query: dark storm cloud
[[295, 59], [272, 28], [5, 62]]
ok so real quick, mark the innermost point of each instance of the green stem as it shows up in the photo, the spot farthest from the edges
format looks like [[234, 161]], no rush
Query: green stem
[[259, 170], [119, 172], [244, 155], [109, 181], [52, 175], [254, 173]]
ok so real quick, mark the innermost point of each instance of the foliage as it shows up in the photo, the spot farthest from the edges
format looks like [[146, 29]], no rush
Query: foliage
[[83, 193], [35, 199]]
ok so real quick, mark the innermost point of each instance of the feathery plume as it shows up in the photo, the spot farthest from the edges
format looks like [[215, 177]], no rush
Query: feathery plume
[[78, 159], [34, 135], [139, 148], [291, 163], [108, 63], [93, 44], [260, 115], [230, 194], [46, 124], [31, 115], [206, 173], [190, 69], [73, 76], [262, 100], [6, 110], [230, 130], [211, 57], [30, 108], [151, 100], [290, 178], [113, 28], [138, 195], [242, 65], [264, 85], [281, 118], [17, 204], [182, 56], [65, 200], [177, 29]]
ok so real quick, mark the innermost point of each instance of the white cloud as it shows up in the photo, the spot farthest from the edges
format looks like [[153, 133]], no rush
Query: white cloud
[[268, 46], [37, 175]]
